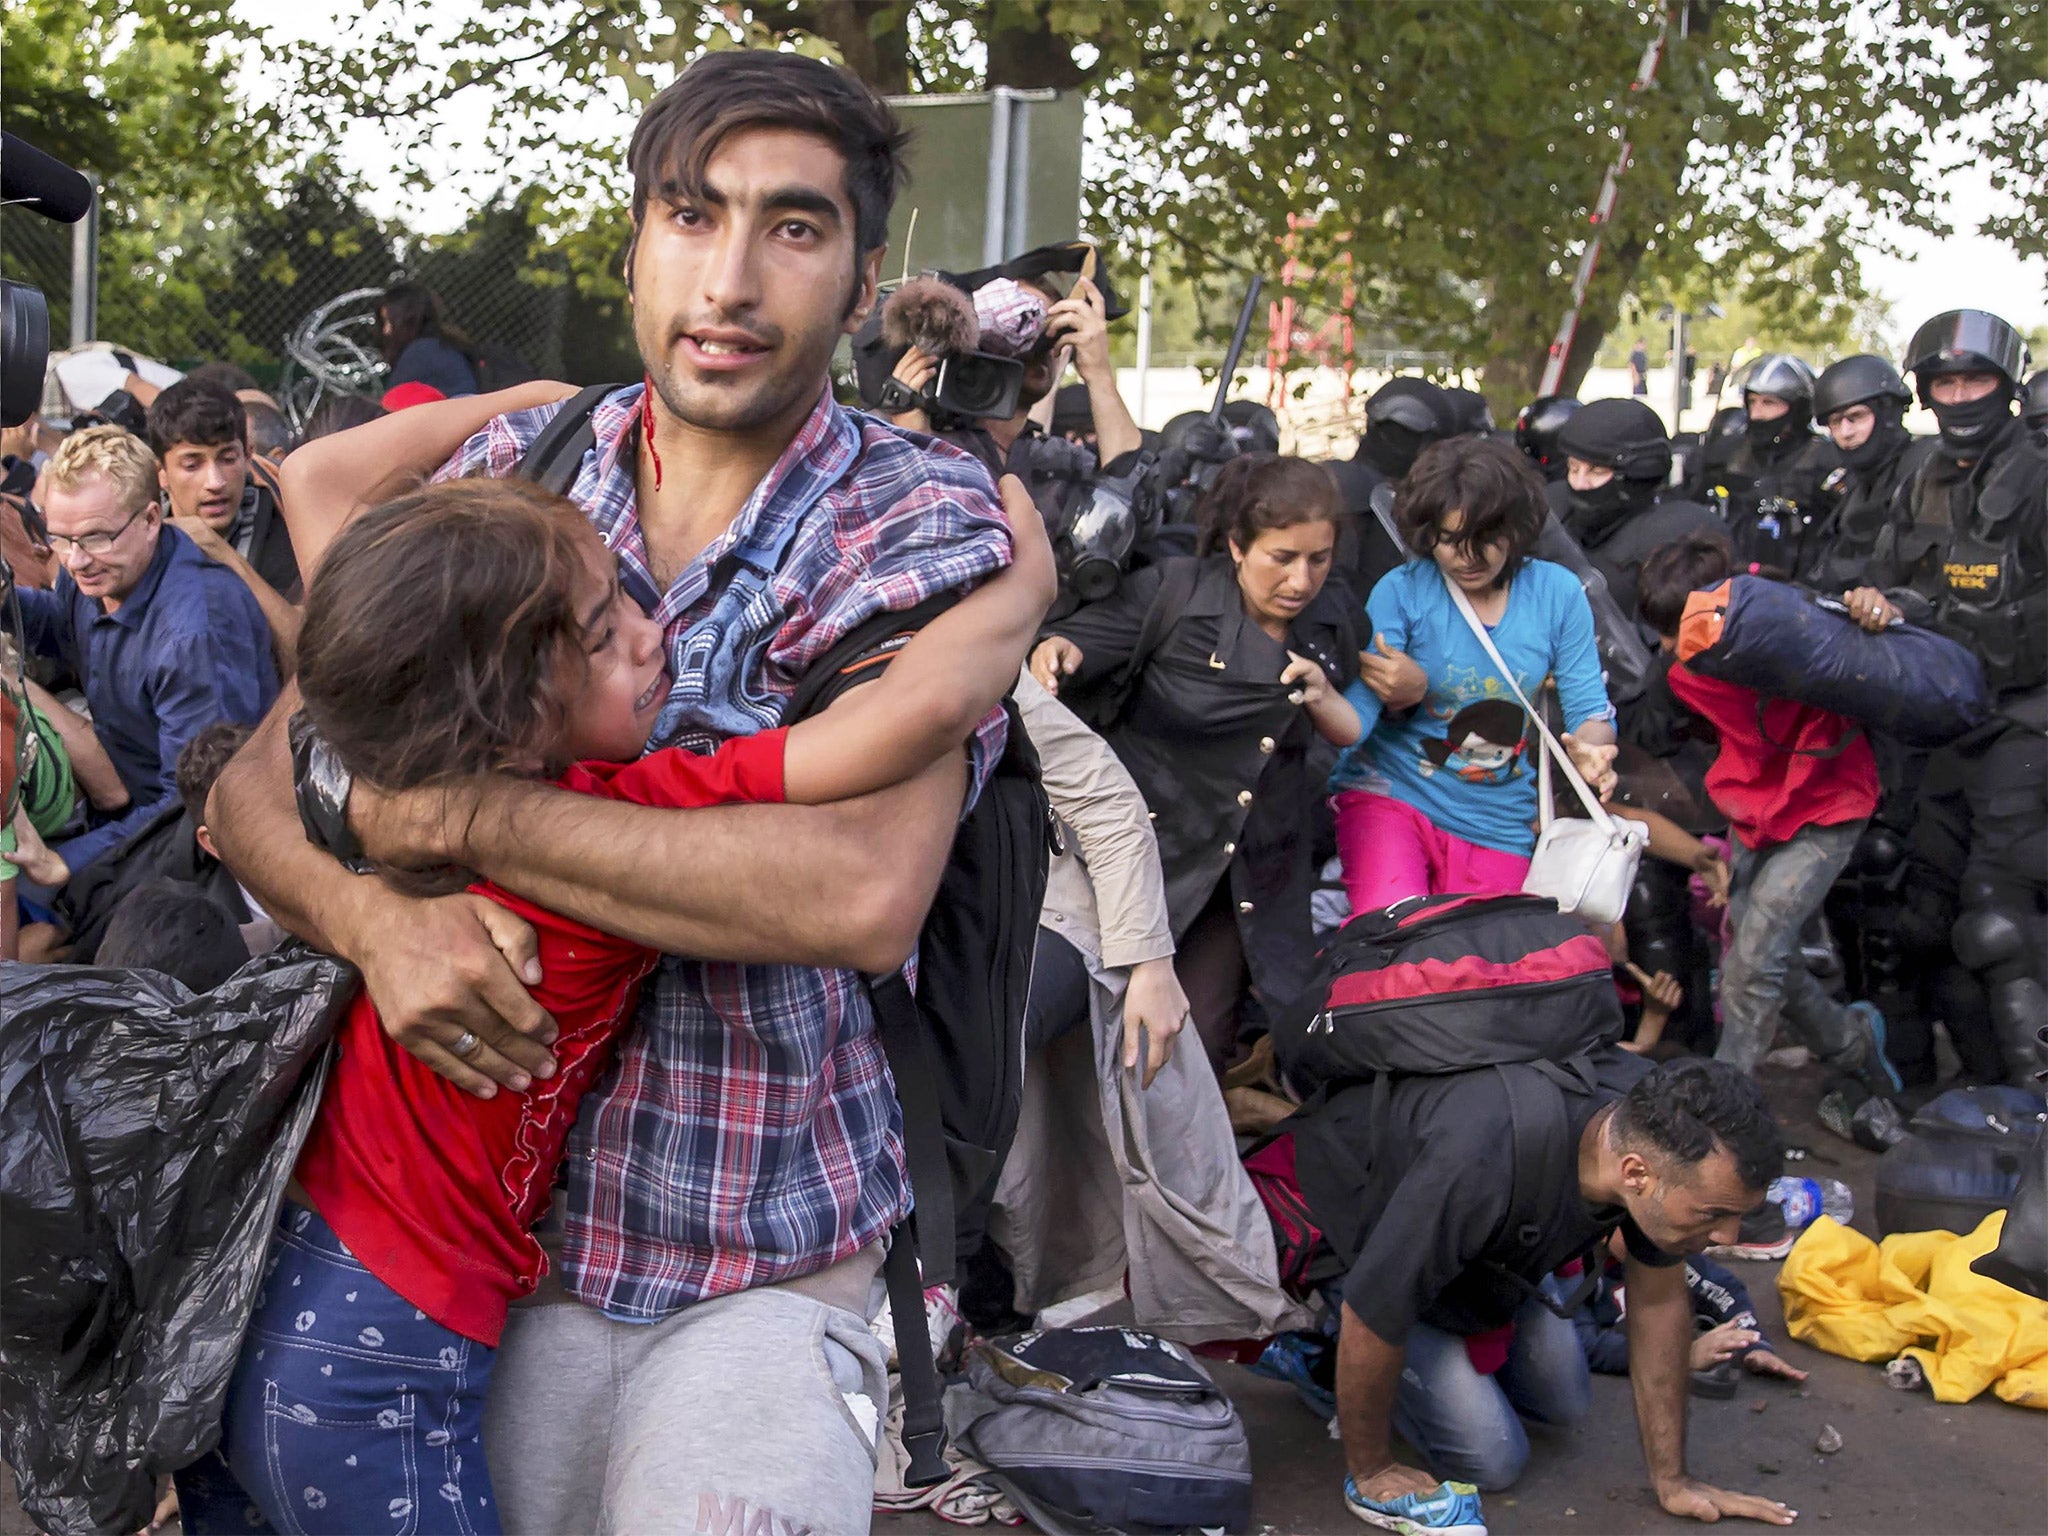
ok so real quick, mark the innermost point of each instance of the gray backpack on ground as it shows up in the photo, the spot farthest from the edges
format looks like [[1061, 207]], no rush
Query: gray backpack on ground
[[1104, 1429]]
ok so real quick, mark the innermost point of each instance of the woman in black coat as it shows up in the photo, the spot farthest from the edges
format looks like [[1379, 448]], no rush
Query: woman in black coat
[[1213, 678]]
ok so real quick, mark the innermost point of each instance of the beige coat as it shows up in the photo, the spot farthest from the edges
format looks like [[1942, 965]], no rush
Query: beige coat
[[1089, 1190]]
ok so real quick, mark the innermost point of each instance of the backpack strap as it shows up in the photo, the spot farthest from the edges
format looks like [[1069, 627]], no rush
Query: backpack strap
[[263, 471], [554, 458], [911, 1063], [860, 655], [922, 1249], [924, 1417], [1533, 1105], [1823, 754]]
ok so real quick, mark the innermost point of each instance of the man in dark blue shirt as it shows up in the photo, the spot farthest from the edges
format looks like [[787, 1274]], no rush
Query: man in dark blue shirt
[[164, 641]]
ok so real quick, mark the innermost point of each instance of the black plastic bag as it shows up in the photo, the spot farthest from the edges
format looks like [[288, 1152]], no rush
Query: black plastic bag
[[146, 1136]]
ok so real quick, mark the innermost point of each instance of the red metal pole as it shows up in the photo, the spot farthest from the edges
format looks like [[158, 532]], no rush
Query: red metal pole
[[1603, 212]]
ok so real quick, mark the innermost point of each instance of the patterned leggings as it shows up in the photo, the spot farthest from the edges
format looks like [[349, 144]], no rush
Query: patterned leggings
[[351, 1411]]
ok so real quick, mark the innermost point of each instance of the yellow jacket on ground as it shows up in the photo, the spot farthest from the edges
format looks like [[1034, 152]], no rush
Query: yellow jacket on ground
[[1914, 1294]]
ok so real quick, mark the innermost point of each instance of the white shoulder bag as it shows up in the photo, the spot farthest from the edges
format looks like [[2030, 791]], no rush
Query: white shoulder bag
[[1586, 867]]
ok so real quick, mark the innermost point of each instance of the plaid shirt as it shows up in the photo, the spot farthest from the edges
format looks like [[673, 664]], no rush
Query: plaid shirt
[[749, 1132]]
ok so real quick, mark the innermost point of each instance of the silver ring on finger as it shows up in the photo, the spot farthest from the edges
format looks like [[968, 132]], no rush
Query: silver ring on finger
[[465, 1044]]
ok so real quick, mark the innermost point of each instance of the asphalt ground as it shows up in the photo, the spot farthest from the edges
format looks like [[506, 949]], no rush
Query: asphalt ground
[[1907, 1465]]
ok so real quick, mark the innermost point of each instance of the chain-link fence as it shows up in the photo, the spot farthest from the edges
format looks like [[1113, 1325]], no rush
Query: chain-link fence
[[306, 277], [288, 290], [37, 251]]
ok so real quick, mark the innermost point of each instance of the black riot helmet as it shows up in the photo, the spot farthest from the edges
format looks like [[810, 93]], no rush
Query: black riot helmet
[[1965, 341], [1724, 434], [1403, 417], [2034, 403], [1625, 436], [1536, 427], [1254, 425], [1864, 379], [1475, 416], [1416, 404], [1789, 379], [1783, 375]]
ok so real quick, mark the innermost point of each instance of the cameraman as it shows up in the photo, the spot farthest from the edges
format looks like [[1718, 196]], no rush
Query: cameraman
[[1076, 329]]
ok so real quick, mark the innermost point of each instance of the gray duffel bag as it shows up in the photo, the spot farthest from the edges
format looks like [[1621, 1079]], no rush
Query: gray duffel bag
[[1104, 1429]]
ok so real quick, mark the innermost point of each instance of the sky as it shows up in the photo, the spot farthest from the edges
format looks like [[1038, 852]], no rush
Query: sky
[[1931, 273]]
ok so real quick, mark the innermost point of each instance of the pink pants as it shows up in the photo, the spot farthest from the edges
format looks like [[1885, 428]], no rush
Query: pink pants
[[1392, 851]]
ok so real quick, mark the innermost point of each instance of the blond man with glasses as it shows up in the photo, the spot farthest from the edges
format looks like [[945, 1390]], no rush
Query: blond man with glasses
[[162, 640]]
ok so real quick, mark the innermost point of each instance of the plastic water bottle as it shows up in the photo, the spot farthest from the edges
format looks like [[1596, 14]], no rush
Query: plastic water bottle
[[1836, 1201], [1806, 1200]]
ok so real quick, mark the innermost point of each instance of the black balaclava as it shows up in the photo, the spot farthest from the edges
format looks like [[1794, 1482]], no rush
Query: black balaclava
[[1967, 429], [1590, 516], [1888, 436], [1768, 438], [1391, 448]]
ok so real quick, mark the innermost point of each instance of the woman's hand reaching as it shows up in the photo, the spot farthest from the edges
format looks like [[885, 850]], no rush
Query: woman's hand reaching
[[1329, 709], [1595, 763], [1311, 687]]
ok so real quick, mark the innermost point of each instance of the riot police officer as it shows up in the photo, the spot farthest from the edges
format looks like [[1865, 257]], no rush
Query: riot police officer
[[1862, 401], [1617, 455], [1769, 487], [1985, 488], [2034, 404], [1536, 427], [1725, 432], [1475, 416], [1402, 417]]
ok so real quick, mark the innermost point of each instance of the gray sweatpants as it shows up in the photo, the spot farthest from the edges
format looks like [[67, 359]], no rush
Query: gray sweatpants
[[750, 1413]]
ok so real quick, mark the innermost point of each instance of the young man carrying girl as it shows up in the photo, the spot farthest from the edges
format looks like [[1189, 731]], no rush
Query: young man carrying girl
[[480, 626], [730, 1184]]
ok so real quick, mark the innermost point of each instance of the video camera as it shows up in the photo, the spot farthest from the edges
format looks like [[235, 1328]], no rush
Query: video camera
[[45, 185], [984, 327]]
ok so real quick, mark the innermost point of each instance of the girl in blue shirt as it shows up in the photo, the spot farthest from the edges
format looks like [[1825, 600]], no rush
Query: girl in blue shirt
[[1440, 794]]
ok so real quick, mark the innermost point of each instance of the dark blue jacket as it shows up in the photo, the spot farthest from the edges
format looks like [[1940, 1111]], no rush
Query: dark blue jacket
[[1717, 1298], [437, 361], [187, 647]]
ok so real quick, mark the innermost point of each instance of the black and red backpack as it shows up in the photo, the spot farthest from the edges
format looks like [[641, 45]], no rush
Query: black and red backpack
[[1439, 984], [1432, 986]]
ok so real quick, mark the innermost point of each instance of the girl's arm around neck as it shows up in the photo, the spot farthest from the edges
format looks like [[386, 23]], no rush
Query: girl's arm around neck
[[933, 693]]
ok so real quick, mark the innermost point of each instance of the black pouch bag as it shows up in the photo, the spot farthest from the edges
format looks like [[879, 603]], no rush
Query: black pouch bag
[[146, 1136]]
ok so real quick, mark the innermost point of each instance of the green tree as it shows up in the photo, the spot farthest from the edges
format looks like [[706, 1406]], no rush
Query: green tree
[[1457, 143], [134, 93], [312, 242]]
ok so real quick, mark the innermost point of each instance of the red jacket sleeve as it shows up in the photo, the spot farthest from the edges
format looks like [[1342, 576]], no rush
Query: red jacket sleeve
[[746, 770]]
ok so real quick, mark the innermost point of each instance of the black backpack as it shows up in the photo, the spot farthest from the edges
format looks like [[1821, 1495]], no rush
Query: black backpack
[[956, 1046]]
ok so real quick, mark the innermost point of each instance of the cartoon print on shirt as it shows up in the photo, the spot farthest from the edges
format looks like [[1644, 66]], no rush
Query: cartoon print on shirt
[[1483, 744]]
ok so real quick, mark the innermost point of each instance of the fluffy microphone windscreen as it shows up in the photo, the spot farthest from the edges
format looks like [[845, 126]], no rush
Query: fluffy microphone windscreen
[[932, 315]]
